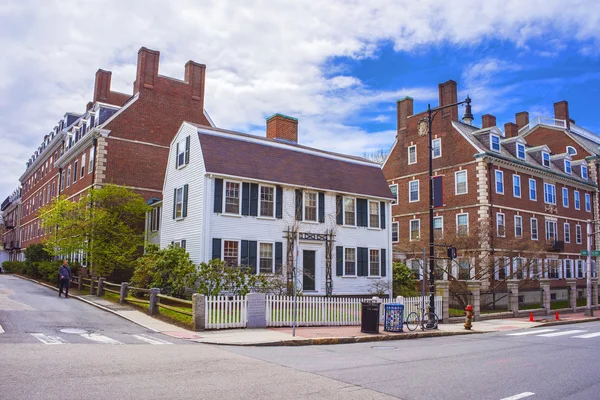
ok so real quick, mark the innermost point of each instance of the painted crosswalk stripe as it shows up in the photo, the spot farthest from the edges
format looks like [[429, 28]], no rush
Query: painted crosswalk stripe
[[562, 333], [150, 340], [99, 338], [533, 332], [519, 396], [588, 335], [48, 339]]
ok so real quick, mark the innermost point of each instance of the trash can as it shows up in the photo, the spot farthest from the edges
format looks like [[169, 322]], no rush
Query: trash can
[[369, 319], [393, 317]]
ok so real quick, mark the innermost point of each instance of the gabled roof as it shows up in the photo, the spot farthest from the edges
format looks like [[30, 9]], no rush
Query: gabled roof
[[246, 156]]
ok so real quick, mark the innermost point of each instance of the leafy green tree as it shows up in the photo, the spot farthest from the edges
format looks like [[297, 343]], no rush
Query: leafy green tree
[[36, 253], [403, 280]]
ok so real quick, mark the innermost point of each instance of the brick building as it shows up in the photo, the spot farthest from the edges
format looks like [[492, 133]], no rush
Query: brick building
[[525, 192], [11, 216], [121, 138]]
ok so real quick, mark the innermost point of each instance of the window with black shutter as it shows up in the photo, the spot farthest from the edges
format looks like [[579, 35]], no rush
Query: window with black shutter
[[218, 204]]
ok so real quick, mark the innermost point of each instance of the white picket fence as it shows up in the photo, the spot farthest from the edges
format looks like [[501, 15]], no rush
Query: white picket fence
[[414, 304], [226, 312]]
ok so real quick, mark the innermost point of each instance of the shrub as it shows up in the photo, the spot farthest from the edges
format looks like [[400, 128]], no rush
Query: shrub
[[48, 270], [14, 267], [36, 253]]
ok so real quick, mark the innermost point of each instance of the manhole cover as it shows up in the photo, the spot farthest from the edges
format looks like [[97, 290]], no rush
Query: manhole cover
[[383, 347], [73, 330]]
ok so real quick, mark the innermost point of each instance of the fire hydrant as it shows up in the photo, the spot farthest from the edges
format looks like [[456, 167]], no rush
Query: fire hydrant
[[469, 314]]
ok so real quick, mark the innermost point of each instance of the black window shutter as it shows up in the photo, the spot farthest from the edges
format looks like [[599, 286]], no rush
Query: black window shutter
[[362, 211], [218, 195], [174, 202], [363, 259], [321, 207], [216, 250], [383, 262], [382, 215], [339, 211], [339, 261], [245, 198], [278, 257], [279, 202], [244, 261], [252, 256], [254, 199], [183, 244], [298, 204], [185, 200], [177, 155], [438, 191], [187, 150]]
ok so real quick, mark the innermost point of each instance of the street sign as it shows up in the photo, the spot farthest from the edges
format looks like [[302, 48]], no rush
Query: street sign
[[595, 253], [583, 253]]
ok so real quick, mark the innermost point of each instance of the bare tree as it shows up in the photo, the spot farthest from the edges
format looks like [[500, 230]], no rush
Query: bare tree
[[378, 156]]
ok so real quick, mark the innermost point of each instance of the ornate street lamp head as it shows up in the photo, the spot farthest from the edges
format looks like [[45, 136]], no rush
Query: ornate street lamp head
[[468, 117]]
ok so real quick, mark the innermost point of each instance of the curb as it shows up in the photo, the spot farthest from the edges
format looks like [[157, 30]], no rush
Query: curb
[[567, 322]]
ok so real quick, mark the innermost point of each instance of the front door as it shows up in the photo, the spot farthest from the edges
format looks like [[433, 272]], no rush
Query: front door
[[308, 270]]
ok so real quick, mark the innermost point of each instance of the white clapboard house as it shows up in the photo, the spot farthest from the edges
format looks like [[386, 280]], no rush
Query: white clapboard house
[[271, 204]]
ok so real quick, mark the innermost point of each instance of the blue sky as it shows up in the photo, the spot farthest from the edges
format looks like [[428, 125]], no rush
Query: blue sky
[[337, 65]]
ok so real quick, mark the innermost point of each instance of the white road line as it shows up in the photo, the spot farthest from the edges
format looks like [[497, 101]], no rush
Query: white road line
[[1, 330], [48, 339], [99, 338], [562, 333], [150, 340], [519, 396], [588, 335], [532, 332]]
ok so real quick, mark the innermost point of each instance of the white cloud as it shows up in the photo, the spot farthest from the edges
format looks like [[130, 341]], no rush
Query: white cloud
[[262, 57]]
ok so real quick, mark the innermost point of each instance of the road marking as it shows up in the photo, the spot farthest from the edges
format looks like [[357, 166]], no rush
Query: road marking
[[533, 332], [150, 340], [99, 338], [588, 335], [48, 339], [1, 330], [519, 396], [562, 333]]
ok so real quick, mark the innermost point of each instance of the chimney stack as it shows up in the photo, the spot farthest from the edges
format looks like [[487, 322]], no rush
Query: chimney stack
[[510, 130], [448, 95], [102, 85], [404, 110], [282, 127], [561, 111], [522, 119], [147, 69], [194, 75], [488, 121]]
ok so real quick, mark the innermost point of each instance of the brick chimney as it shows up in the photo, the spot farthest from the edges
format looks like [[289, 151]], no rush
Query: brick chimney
[[282, 127], [561, 111], [194, 75], [102, 85], [488, 120], [147, 69], [522, 118], [510, 130], [404, 109], [448, 95]]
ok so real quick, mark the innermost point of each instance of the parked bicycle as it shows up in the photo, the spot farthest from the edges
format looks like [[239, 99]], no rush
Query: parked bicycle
[[427, 320]]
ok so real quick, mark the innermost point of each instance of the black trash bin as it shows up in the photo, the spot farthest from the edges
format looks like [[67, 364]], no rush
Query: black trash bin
[[369, 319]]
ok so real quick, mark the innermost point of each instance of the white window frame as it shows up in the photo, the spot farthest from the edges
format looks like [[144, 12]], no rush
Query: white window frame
[[239, 249], [534, 221], [534, 191], [499, 173], [498, 215], [91, 161], [584, 175], [520, 147], [260, 201], [567, 165], [355, 261], [258, 266], [82, 166], [441, 218], [576, 200], [69, 176], [456, 174], [410, 230], [545, 159], [555, 225], [182, 149], [565, 197], [517, 184], [396, 225], [395, 201], [457, 226], [433, 142], [492, 147], [567, 232], [178, 216], [305, 205], [578, 234], [377, 207], [75, 170], [239, 212], [520, 224], [155, 215], [410, 191], [588, 202], [550, 196], [413, 147], [344, 210], [569, 148], [379, 262]]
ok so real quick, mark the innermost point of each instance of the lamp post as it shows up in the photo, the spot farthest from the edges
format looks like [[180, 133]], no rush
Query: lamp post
[[589, 311], [431, 113]]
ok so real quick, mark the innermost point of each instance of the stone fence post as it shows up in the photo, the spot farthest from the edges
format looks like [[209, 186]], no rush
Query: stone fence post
[[124, 292], [199, 311], [80, 282], [594, 292], [475, 288], [101, 287], [92, 285], [545, 285], [572, 285], [153, 307], [513, 296], [257, 310], [444, 287]]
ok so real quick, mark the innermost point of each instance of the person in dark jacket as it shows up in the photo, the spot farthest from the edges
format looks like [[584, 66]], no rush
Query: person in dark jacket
[[64, 274]]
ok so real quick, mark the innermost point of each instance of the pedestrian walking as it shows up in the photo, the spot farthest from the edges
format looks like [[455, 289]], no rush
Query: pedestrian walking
[[64, 274]]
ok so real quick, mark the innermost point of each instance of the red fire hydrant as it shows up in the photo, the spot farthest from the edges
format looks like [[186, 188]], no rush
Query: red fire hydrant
[[469, 314]]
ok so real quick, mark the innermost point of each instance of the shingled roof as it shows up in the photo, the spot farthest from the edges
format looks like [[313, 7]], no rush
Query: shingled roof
[[254, 157]]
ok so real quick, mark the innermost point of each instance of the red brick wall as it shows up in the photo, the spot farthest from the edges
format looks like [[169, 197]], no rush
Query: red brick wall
[[282, 127], [556, 140]]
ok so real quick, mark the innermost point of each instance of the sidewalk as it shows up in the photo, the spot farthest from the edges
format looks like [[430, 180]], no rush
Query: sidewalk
[[314, 335]]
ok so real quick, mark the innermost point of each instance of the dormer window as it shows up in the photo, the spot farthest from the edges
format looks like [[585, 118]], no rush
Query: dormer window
[[546, 159], [495, 142], [521, 151], [584, 172], [571, 150], [567, 166]]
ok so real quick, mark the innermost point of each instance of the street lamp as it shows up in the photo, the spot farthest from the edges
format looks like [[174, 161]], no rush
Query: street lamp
[[589, 311], [431, 113]]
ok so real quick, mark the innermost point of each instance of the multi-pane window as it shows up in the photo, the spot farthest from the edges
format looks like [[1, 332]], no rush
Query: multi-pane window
[[82, 165], [534, 228], [551, 230], [181, 149], [413, 191], [462, 224], [415, 229], [580, 269], [231, 252], [374, 262], [495, 142], [412, 154], [549, 193], [532, 190], [436, 148], [350, 261], [502, 268], [546, 159], [588, 202], [567, 166], [349, 211], [415, 266], [565, 197], [499, 182], [75, 169], [500, 225], [179, 203], [394, 190], [438, 226], [91, 165], [373, 214], [578, 234], [395, 232], [232, 197], [155, 219], [69, 176], [518, 267], [521, 151], [516, 186], [266, 258], [267, 197], [584, 172], [577, 200], [310, 206], [518, 226], [567, 232], [460, 182], [554, 268]]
